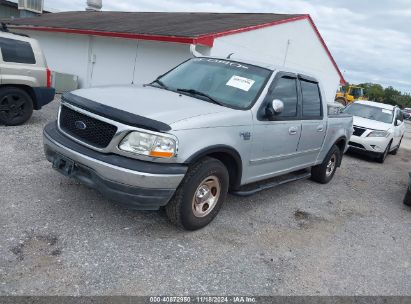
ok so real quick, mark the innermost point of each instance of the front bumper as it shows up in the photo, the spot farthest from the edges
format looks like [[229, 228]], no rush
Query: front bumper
[[137, 184], [43, 96], [373, 146]]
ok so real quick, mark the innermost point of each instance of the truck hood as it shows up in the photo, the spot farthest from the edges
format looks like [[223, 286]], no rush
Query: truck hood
[[370, 124], [154, 103]]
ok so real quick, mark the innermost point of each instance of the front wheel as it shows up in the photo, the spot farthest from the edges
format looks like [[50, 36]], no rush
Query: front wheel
[[16, 106], [381, 158], [394, 152], [324, 172], [200, 196]]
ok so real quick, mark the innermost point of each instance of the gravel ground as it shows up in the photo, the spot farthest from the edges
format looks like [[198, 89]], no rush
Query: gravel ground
[[350, 237]]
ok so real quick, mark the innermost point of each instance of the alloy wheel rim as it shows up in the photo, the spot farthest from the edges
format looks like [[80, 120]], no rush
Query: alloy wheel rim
[[331, 165], [206, 196], [12, 106]]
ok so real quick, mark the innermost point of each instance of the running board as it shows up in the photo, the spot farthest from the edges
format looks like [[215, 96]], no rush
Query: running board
[[254, 188]]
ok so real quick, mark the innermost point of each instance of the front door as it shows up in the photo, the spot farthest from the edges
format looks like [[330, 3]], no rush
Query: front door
[[275, 141], [399, 128]]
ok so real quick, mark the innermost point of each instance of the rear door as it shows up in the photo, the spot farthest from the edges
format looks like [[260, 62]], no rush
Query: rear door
[[275, 141], [312, 117]]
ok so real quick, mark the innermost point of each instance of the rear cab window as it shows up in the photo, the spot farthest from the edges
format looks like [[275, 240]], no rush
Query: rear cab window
[[16, 51], [311, 105]]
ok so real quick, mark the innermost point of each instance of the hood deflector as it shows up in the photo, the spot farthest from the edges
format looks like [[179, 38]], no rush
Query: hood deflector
[[116, 114]]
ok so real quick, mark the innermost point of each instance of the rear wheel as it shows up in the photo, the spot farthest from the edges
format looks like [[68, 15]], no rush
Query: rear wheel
[[200, 196], [381, 158], [16, 106], [324, 172]]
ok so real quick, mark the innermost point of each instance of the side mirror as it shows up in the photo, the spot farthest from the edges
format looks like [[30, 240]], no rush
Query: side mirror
[[274, 108], [398, 122]]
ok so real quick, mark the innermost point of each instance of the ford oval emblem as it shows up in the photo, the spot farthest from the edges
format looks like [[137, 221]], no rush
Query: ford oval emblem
[[80, 125]]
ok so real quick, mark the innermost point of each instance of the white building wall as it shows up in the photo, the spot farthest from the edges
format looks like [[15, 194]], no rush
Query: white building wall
[[155, 58], [109, 61], [305, 51], [64, 53]]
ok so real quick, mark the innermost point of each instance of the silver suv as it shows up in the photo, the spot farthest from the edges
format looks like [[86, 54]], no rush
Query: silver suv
[[25, 83]]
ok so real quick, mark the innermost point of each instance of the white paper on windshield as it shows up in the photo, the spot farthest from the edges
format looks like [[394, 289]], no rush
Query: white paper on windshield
[[386, 111], [240, 83]]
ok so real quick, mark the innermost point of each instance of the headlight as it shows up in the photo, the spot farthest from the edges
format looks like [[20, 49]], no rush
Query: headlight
[[149, 144], [378, 134]]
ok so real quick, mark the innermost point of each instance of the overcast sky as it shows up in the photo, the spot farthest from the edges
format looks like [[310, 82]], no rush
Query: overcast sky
[[369, 39]]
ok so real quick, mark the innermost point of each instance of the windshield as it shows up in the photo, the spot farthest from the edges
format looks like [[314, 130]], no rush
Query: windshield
[[225, 82], [370, 112], [356, 92]]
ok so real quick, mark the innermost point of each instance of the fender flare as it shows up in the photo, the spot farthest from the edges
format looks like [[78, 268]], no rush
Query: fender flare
[[223, 149]]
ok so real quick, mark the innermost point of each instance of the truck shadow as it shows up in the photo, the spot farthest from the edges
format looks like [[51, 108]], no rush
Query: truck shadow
[[363, 157]]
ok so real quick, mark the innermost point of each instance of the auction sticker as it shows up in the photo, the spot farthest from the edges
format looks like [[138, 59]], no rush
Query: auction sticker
[[240, 83]]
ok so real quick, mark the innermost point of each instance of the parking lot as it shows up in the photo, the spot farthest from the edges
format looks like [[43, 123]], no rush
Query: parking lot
[[349, 237]]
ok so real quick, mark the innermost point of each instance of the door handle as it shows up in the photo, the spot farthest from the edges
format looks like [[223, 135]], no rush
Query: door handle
[[320, 128], [292, 130]]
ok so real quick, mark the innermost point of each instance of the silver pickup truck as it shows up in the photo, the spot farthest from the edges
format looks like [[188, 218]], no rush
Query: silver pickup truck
[[207, 127]]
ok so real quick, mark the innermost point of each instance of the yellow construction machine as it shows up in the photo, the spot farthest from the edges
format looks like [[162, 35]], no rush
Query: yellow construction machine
[[349, 94]]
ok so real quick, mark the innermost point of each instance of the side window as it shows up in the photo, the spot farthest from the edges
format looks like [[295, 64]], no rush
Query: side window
[[311, 99], [286, 90], [16, 51], [400, 115]]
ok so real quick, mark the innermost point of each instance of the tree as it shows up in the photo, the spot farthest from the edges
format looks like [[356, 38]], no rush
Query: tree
[[391, 95], [373, 91]]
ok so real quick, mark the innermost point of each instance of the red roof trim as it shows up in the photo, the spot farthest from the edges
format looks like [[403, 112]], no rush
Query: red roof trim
[[206, 40], [256, 27]]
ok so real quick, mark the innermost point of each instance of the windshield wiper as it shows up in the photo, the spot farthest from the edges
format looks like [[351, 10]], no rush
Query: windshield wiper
[[195, 92]]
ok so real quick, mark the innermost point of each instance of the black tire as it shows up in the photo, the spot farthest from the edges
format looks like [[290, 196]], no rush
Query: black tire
[[182, 208], [321, 173], [381, 158], [16, 106], [407, 198], [394, 152]]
